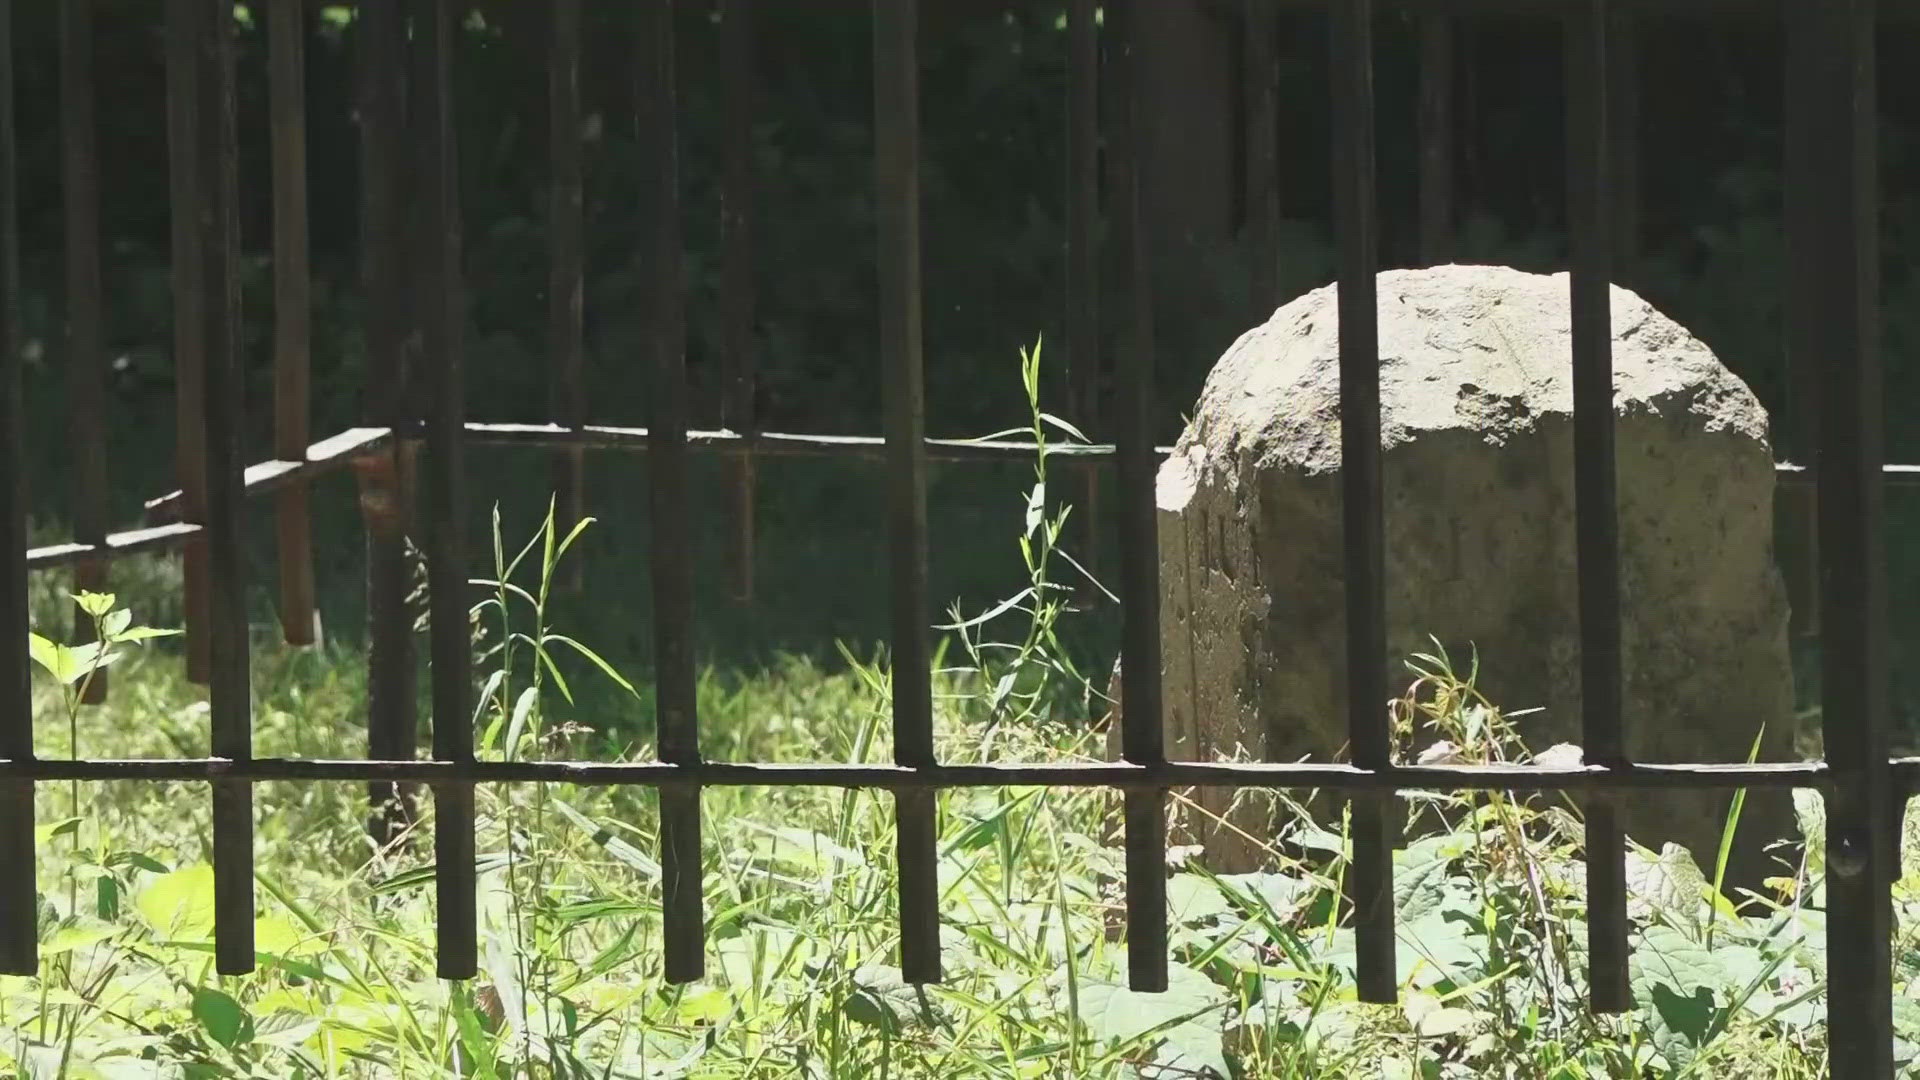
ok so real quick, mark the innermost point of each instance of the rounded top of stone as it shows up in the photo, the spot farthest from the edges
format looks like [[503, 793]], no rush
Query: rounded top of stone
[[1462, 348]]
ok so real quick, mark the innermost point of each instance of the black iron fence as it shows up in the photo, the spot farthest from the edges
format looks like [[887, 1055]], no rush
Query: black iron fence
[[416, 436]]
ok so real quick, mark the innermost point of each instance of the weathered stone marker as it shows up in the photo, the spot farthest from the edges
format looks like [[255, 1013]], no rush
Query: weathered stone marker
[[1476, 382]]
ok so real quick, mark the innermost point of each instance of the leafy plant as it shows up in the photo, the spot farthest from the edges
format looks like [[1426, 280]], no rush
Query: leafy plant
[[1021, 675], [802, 933]]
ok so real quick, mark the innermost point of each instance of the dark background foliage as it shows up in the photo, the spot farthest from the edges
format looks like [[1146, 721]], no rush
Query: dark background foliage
[[994, 78]]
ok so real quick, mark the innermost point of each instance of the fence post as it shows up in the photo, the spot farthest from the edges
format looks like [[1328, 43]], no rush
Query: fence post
[[228, 683], [1370, 878], [1142, 723], [1589, 213], [677, 719], [384, 477], [293, 321], [1833, 244], [896, 88], [86, 360], [442, 313], [19, 897]]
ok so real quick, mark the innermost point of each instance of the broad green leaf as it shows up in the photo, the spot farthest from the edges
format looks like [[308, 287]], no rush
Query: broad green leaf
[[69, 663], [46, 653], [1668, 886], [95, 604], [1797, 1001], [1441, 946], [1810, 814], [1667, 955], [482, 703], [278, 937], [138, 860], [286, 1029], [522, 712], [1906, 1028], [1680, 1022], [1430, 1019], [880, 997], [1419, 870], [45, 834], [1683, 987], [1192, 898], [1181, 1027], [144, 633], [474, 1039], [77, 936], [224, 1019], [180, 905], [116, 623], [41, 1062], [1279, 895], [1314, 838]]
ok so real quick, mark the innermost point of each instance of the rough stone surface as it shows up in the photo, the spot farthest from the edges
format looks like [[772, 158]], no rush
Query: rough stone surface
[[1480, 541]]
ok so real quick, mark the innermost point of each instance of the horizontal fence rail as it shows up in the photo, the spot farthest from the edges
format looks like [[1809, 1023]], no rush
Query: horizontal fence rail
[[1121, 775], [355, 445], [411, 457]]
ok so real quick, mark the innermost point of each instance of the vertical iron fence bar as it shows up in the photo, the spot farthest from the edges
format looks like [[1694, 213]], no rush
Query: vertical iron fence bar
[[677, 715], [228, 683], [443, 328], [737, 288], [189, 318], [1370, 878], [86, 361], [1143, 732], [1436, 139], [1834, 246], [385, 495], [896, 102], [19, 905], [1596, 514], [1083, 250], [566, 300], [292, 313], [1261, 48]]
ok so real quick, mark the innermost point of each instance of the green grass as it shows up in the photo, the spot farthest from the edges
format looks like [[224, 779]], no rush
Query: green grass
[[800, 902], [800, 890]]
